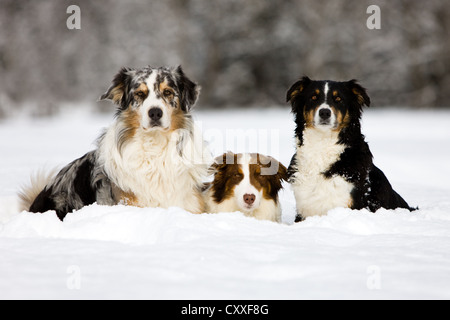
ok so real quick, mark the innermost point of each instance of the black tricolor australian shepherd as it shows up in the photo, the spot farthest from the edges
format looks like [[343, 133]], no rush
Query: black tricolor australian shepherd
[[332, 166], [151, 156]]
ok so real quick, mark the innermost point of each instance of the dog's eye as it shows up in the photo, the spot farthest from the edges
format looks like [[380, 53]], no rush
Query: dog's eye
[[140, 94], [167, 93], [238, 175], [338, 99], [314, 98]]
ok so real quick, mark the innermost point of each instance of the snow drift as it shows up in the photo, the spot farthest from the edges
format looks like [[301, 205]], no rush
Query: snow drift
[[153, 253]]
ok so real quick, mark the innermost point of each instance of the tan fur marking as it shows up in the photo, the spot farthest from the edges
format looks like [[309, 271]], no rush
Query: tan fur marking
[[343, 121], [359, 96], [142, 90], [126, 198], [117, 93], [129, 199], [132, 121], [350, 203], [294, 93], [165, 86], [178, 120], [309, 118]]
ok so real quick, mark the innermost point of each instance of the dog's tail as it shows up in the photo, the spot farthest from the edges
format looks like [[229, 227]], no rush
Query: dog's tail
[[28, 193]]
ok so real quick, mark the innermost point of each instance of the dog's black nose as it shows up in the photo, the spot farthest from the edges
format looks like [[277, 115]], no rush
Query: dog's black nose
[[155, 114], [325, 114]]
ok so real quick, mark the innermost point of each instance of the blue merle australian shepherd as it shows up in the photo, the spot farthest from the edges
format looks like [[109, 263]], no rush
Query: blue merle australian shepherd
[[332, 166], [151, 156]]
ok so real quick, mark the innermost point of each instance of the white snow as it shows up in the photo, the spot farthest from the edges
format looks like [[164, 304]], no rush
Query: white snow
[[127, 252]]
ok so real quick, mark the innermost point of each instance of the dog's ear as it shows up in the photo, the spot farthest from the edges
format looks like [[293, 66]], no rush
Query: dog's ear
[[272, 167], [360, 93], [189, 90], [297, 88], [280, 176], [218, 168], [221, 161], [282, 172], [119, 90], [276, 173], [218, 164]]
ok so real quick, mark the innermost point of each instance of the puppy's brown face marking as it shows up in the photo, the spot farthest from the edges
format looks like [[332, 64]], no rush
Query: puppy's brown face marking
[[228, 174], [238, 175], [270, 184]]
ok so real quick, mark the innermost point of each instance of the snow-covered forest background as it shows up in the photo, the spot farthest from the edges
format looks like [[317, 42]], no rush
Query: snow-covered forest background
[[243, 53]]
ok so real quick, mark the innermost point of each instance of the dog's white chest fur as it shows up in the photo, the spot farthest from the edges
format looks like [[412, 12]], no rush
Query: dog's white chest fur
[[152, 169], [314, 193]]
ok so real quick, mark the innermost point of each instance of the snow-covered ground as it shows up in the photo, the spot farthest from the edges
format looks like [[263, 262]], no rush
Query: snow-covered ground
[[127, 252]]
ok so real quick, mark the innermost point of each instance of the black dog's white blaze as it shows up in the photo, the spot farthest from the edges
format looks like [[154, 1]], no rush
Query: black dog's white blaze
[[332, 166]]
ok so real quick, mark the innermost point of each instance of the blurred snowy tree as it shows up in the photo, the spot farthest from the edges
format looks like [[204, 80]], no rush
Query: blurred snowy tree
[[243, 53]]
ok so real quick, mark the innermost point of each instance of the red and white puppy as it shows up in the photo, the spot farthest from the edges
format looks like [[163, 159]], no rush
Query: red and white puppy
[[248, 183]]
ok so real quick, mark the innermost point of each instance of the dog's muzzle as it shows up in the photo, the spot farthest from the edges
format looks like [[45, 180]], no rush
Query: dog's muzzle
[[324, 116], [155, 115]]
